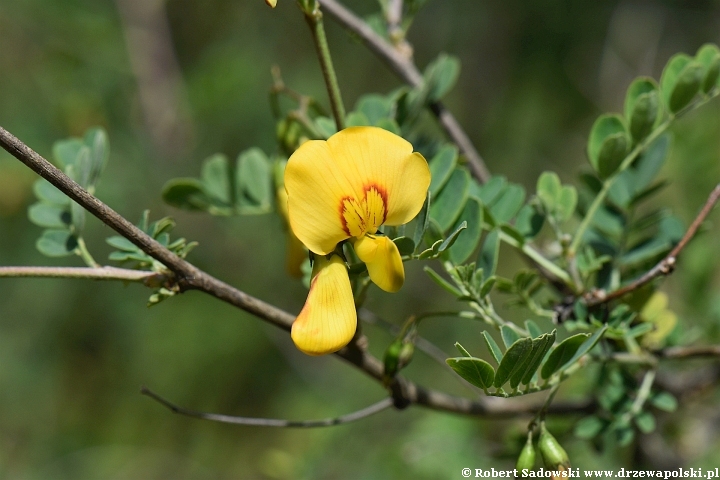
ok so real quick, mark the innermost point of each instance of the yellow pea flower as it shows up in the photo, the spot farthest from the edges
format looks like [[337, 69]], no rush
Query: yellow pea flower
[[346, 188], [328, 320]]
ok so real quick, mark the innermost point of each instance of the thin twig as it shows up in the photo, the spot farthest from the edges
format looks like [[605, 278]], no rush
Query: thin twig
[[315, 21], [189, 277], [404, 68], [383, 404], [101, 273], [664, 266]]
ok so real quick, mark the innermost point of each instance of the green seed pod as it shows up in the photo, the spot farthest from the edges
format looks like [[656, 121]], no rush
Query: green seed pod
[[554, 456], [526, 460]]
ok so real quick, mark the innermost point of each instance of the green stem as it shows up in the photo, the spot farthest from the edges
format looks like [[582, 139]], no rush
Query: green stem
[[314, 18], [85, 254], [538, 258]]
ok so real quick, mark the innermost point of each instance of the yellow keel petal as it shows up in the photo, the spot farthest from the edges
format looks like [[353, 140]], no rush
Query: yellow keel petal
[[383, 261], [328, 320]]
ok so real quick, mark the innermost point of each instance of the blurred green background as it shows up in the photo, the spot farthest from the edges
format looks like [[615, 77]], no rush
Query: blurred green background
[[174, 82]]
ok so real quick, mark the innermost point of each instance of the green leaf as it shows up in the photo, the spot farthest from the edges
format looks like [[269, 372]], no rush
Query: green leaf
[[97, 141], [122, 243], [254, 179], [562, 354], [49, 216], [442, 282], [356, 119], [390, 125], [448, 204], [488, 257], [46, 192], [540, 347], [548, 190], [442, 166], [325, 126], [375, 107], [57, 243], [405, 245], [508, 204], [589, 427], [566, 203], [440, 76], [450, 240], [650, 162], [680, 81], [642, 107], [494, 348], [422, 221], [476, 371], [487, 285], [709, 57], [533, 329], [215, 176], [66, 151], [587, 345], [645, 422], [529, 222], [509, 335], [185, 193], [465, 245], [664, 401], [488, 192], [608, 144], [513, 361], [462, 350]]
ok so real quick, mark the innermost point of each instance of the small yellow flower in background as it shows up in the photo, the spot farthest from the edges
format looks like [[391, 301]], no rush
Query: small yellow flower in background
[[271, 3], [346, 188]]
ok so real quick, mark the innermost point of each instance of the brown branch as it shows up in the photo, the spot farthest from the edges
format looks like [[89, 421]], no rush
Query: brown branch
[[189, 277], [101, 273], [271, 422], [701, 351], [403, 66], [664, 266]]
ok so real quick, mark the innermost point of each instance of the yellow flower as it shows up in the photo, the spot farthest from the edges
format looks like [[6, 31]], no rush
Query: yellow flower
[[271, 3], [346, 188], [328, 320]]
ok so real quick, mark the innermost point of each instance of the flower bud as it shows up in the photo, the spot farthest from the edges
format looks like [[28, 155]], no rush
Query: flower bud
[[526, 460], [271, 3], [554, 456]]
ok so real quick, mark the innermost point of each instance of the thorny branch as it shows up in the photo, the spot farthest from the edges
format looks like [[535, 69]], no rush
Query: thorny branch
[[403, 66], [188, 277]]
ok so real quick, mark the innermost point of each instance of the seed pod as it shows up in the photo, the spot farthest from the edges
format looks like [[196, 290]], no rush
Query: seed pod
[[526, 460], [554, 456]]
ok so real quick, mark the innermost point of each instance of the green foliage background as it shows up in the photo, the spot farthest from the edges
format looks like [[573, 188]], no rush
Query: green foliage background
[[74, 353]]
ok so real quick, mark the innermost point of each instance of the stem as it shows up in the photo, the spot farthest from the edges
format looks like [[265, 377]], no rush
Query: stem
[[315, 20], [84, 253], [100, 273], [539, 259], [272, 422]]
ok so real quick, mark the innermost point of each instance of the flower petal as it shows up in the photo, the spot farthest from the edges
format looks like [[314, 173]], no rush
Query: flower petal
[[328, 320], [316, 189], [373, 157], [383, 261]]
